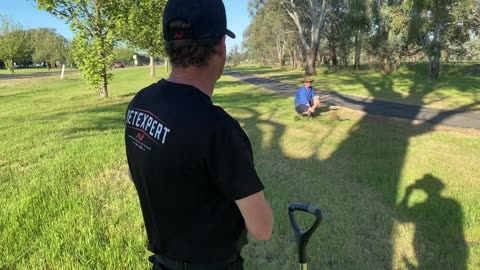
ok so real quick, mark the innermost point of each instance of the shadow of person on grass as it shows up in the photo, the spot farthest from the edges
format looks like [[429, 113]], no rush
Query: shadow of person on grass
[[439, 238], [356, 185]]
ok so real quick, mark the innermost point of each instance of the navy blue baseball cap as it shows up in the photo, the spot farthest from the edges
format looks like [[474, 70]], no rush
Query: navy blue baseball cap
[[207, 19]]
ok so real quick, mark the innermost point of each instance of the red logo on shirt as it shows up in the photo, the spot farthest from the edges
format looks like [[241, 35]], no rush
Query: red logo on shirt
[[179, 35], [140, 136]]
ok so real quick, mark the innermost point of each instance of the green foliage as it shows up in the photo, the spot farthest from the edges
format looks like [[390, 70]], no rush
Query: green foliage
[[96, 25], [144, 26], [309, 18], [234, 57], [340, 24], [271, 34], [92, 58], [48, 46], [387, 32], [435, 24], [124, 54], [14, 43], [143, 29]]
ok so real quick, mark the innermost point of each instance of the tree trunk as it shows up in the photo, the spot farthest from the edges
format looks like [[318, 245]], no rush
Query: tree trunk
[[292, 59], [280, 47], [447, 56], [280, 59], [104, 87], [166, 64], [9, 66], [358, 50], [434, 67], [434, 55], [152, 65], [385, 65], [311, 57], [333, 56]]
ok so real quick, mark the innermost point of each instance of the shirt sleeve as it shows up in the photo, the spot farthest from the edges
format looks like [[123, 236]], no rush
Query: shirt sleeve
[[232, 162]]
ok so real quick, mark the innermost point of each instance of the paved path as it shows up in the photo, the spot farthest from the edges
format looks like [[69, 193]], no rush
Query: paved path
[[34, 75], [374, 106]]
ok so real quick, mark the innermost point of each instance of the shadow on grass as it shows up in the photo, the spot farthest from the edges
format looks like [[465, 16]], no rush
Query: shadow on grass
[[438, 227], [372, 158]]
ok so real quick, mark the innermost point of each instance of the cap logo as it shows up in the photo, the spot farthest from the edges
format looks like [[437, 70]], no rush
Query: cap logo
[[179, 35]]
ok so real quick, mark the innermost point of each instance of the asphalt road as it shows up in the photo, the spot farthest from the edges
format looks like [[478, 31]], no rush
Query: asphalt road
[[34, 75]]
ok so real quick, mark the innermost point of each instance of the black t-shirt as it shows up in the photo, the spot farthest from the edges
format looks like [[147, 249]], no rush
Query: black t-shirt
[[189, 161]]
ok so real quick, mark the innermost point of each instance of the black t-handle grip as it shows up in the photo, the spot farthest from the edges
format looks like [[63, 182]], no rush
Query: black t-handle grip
[[302, 237]]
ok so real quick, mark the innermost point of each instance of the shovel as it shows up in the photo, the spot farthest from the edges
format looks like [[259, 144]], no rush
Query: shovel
[[302, 237]]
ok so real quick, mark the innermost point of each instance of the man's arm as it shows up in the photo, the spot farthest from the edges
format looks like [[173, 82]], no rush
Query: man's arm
[[257, 214]]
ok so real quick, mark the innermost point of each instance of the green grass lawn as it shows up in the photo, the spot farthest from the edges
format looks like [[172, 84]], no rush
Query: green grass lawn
[[410, 84], [67, 202]]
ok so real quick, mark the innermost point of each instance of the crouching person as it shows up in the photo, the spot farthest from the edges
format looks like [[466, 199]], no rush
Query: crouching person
[[305, 99]]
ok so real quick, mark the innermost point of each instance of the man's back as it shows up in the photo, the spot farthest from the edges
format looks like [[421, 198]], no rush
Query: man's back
[[190, 161]]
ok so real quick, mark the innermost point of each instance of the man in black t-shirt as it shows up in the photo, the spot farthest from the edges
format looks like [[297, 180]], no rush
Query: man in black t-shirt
[[191, 162]]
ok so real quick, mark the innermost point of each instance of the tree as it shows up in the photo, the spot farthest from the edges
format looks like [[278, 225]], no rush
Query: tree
[[48, 46], [309, 18], [386, 38], [14, 44], [359, 23], [335, 29], [144, 28], [124, 54], [96, 24], [473, 54], [270, 31], [433, 23], [234, 56]]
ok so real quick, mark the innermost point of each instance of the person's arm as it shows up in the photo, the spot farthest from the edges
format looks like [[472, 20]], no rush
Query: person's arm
[[235, 175], [257, 214]]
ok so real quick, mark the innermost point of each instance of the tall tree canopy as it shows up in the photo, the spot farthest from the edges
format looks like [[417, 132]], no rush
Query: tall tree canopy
[[96, 24], [271, 33], [433, 23], [309, 17], [48, 46], [15, 43], [144, 28], [383, 32]]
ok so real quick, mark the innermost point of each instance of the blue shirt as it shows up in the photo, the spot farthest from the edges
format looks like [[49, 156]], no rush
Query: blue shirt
[[304, 96]]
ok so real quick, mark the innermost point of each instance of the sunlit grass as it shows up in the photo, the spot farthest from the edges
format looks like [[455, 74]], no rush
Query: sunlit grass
[[67, 202]]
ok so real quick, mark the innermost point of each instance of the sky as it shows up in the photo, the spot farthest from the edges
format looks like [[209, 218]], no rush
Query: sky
[[26, 13]]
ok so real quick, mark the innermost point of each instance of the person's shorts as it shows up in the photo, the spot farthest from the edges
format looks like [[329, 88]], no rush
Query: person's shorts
[[301, 108]]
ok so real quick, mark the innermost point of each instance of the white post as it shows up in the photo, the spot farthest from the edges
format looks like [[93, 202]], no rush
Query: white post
[[63, 71]]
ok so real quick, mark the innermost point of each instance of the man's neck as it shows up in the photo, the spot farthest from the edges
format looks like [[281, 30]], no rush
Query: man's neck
[[202, 78]]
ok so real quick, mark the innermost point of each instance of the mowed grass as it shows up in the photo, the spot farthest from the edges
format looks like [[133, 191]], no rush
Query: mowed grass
[[67, 202], [409, 84]]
